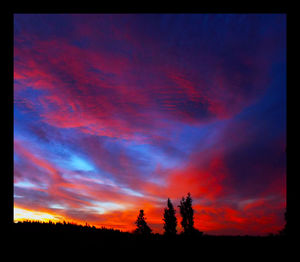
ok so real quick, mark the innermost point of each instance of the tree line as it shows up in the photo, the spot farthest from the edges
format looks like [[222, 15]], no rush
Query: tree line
[[142, 229], [170, 220]]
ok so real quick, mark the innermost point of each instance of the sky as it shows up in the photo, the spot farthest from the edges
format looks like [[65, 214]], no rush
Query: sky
[[114, 113]]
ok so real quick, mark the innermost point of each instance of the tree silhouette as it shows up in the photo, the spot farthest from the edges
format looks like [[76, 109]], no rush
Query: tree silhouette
[[170, 220], [142, 227], [284, 230], [285, 226], [187, 214]]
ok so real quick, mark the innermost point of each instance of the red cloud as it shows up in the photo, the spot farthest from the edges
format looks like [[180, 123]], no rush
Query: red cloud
[[116, 92]]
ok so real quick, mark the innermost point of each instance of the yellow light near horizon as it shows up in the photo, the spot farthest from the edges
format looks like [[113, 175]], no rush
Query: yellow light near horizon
[[21, 214]]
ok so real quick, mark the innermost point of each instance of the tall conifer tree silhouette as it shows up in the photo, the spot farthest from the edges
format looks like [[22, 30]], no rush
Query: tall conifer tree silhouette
[[187, 214], [170, 220], [142, 226]]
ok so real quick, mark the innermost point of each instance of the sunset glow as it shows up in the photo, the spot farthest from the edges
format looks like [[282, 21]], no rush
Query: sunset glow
[[114, 113], [21, 214]]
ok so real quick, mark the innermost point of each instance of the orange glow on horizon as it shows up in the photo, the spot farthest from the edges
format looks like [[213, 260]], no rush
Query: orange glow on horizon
[[21, 214]]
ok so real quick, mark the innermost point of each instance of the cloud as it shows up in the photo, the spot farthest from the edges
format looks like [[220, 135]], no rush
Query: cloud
[[123, 97]]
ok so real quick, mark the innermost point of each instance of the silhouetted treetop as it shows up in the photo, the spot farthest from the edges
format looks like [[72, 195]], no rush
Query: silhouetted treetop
[[142, 226], [170, 219], [187, 214]]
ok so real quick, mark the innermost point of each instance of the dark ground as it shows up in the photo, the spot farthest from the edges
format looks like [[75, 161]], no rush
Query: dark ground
[[74, 239]]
